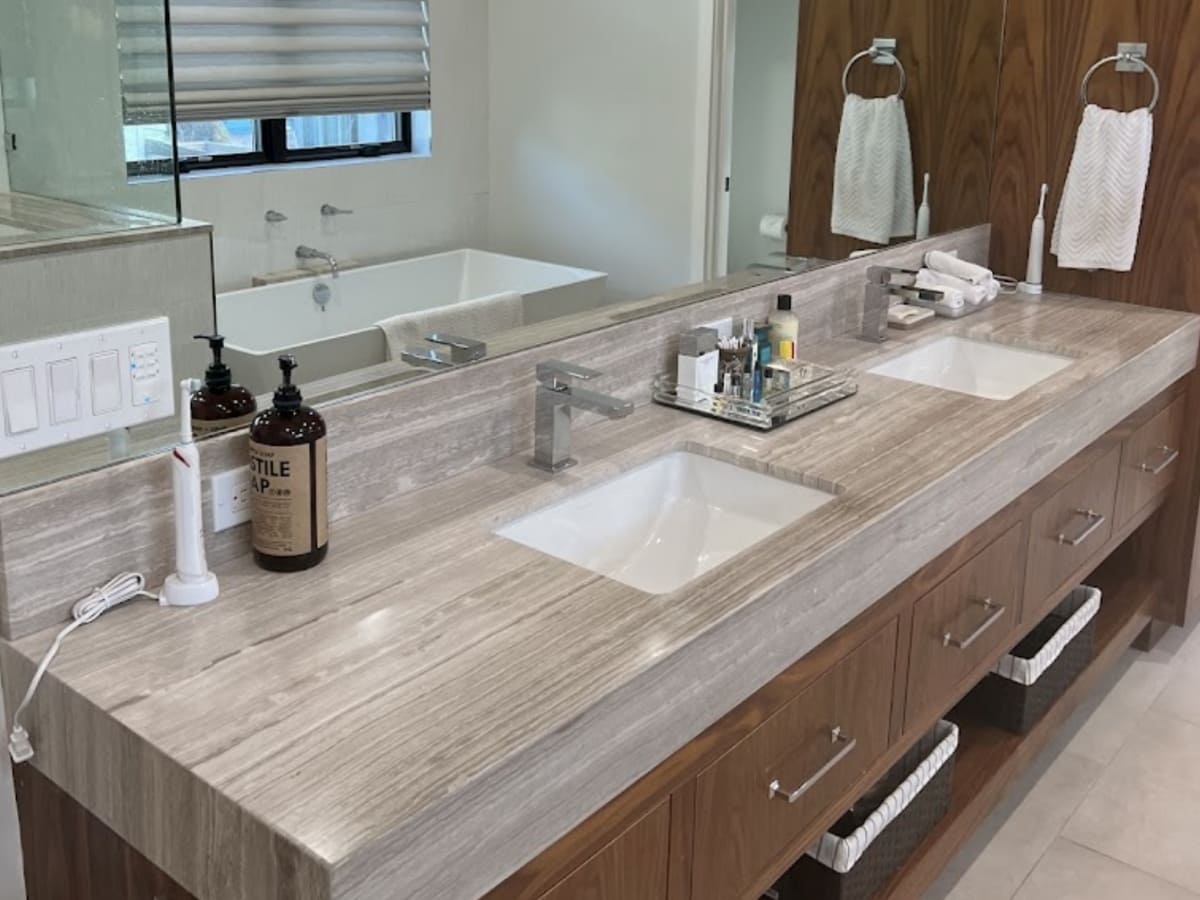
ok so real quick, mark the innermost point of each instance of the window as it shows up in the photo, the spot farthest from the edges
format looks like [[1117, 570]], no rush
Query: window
[[249, 142]]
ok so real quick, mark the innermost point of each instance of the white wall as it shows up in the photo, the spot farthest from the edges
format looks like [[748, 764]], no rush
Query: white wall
[[764, 88], [599, 118], [402, 206]]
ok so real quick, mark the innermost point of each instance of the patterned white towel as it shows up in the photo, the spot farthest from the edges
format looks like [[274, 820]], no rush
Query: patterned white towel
[[873, 197], [1101, 209]]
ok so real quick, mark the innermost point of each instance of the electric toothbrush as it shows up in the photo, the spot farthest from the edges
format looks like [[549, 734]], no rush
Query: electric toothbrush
[[1037, 248], [924, 213], [192, 584]]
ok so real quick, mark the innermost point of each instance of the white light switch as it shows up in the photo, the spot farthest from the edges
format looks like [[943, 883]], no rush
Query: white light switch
[[20, 400], [64, 391], [71, 386], [106, 382]]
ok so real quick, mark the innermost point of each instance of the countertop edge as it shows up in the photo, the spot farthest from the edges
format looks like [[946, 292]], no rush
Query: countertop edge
[[543, 795]]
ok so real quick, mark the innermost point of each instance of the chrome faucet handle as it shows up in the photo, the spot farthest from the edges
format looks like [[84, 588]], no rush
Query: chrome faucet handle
[[556, 374], [328, 209], [462, 350], [274, 216], [884, 274]]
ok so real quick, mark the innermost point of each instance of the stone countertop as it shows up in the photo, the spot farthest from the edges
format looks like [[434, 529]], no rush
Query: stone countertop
[[435, 705]]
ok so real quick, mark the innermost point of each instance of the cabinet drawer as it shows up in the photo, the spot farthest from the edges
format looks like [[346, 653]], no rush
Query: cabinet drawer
[[962, 623], [1068, 530], [754, 803], [1149, 461]]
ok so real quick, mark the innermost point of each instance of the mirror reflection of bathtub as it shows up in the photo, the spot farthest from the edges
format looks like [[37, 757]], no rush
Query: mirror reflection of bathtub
[[332, 325]]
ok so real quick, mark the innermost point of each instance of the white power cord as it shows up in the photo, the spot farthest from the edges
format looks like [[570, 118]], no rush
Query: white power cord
[[125, 587]]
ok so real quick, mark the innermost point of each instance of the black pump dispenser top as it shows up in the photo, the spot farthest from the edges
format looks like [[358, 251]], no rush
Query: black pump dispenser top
[[287, 395], [217, 377], [785, 302]]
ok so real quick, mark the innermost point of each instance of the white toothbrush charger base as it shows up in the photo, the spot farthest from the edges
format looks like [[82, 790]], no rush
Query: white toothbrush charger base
[[177, 592], [1026, 288]]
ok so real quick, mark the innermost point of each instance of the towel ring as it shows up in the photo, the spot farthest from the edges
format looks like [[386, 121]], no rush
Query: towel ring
[[1121, 57], [875, 53]]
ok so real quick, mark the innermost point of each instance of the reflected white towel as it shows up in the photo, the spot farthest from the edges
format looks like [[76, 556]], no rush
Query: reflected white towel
[[1100, 214], [950, 264], [480, 319], [873, 196], [975, 294]]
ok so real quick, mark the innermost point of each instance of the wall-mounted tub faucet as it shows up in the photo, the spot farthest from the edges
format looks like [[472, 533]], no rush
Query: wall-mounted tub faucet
[[304, 253], [328, 209]]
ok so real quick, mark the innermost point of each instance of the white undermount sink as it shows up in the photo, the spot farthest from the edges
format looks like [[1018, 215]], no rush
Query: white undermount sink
[[979, 368], [663, 524]]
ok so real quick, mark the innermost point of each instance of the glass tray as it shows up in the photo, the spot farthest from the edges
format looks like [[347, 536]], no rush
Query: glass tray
[[819, 387]]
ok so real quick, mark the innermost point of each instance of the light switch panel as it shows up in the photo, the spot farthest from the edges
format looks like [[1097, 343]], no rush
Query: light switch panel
[[74, 386]]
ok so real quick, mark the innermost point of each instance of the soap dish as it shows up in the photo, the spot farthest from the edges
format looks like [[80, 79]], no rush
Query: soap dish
[[813, 388]]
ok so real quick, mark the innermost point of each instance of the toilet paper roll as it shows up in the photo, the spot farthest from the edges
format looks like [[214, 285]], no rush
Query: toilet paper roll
[[773, 227]]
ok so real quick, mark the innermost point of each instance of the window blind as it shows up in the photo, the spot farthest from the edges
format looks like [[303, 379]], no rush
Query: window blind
[[266, 59]]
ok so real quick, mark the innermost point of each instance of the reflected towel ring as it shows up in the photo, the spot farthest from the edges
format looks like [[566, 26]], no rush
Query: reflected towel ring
[[1121, 57], [875, 53]]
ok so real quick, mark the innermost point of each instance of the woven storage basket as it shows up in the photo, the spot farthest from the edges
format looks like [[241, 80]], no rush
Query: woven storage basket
[[1028, 681], [870, 843]]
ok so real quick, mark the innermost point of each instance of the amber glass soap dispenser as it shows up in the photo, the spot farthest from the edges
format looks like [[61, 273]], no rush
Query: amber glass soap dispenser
[[288, 503], [220, 405]]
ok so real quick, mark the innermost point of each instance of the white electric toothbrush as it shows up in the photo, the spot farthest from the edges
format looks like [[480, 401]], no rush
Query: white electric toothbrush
[[192, 584], [1037, 248], [924, 213]]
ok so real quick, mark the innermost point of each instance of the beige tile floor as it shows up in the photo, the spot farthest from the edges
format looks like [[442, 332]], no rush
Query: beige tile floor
[[1109, 811]]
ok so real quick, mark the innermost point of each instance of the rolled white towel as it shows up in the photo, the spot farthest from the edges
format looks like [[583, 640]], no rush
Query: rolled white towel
[[952, 297], [975, 294], [950, 264]]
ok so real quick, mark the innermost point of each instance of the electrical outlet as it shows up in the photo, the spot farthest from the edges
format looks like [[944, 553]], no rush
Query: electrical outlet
[[230, 492]]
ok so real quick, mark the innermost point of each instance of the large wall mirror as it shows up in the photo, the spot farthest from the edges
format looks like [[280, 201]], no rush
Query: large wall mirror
[[520, 171]]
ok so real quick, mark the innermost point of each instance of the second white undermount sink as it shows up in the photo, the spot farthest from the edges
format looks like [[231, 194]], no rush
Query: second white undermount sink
[[979, 368], [663, 524]]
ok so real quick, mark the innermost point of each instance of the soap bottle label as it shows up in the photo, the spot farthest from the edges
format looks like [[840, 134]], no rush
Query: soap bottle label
[[289, 509], [206, 427]]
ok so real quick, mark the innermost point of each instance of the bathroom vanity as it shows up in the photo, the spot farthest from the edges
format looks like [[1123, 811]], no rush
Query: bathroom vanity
[[440, 712]]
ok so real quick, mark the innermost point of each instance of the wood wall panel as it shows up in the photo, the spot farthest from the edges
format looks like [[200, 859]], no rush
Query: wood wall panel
[[951, 51], [1048, 48]]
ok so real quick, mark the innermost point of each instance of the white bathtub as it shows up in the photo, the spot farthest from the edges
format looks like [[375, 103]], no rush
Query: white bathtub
[[341, 336]]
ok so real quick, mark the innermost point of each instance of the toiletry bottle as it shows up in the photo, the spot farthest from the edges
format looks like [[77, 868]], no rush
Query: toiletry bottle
[[785, 328], [699, 368], [220, 405], [288, 501]]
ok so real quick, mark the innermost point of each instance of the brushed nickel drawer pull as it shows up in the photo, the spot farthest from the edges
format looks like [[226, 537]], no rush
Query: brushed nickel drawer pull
[[838, 737], [1095, 521], [995, 614], [1169, 457]]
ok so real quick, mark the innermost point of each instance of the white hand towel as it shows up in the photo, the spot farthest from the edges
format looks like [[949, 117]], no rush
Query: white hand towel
[[1101, 209], [873, 197], [975, 294], [950, 264], [480, 319]]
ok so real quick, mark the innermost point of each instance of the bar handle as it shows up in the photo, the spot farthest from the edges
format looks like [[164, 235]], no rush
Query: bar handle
[[555, 372], [1169, 456], [462, 350], [775, 789], [1093, 522], [995, 614]]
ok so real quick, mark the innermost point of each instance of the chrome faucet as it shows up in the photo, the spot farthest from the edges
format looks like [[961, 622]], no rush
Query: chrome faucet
[[556, 397], [876, 302], [328, 210], [881, 288], [451, 351], [304, 252]]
